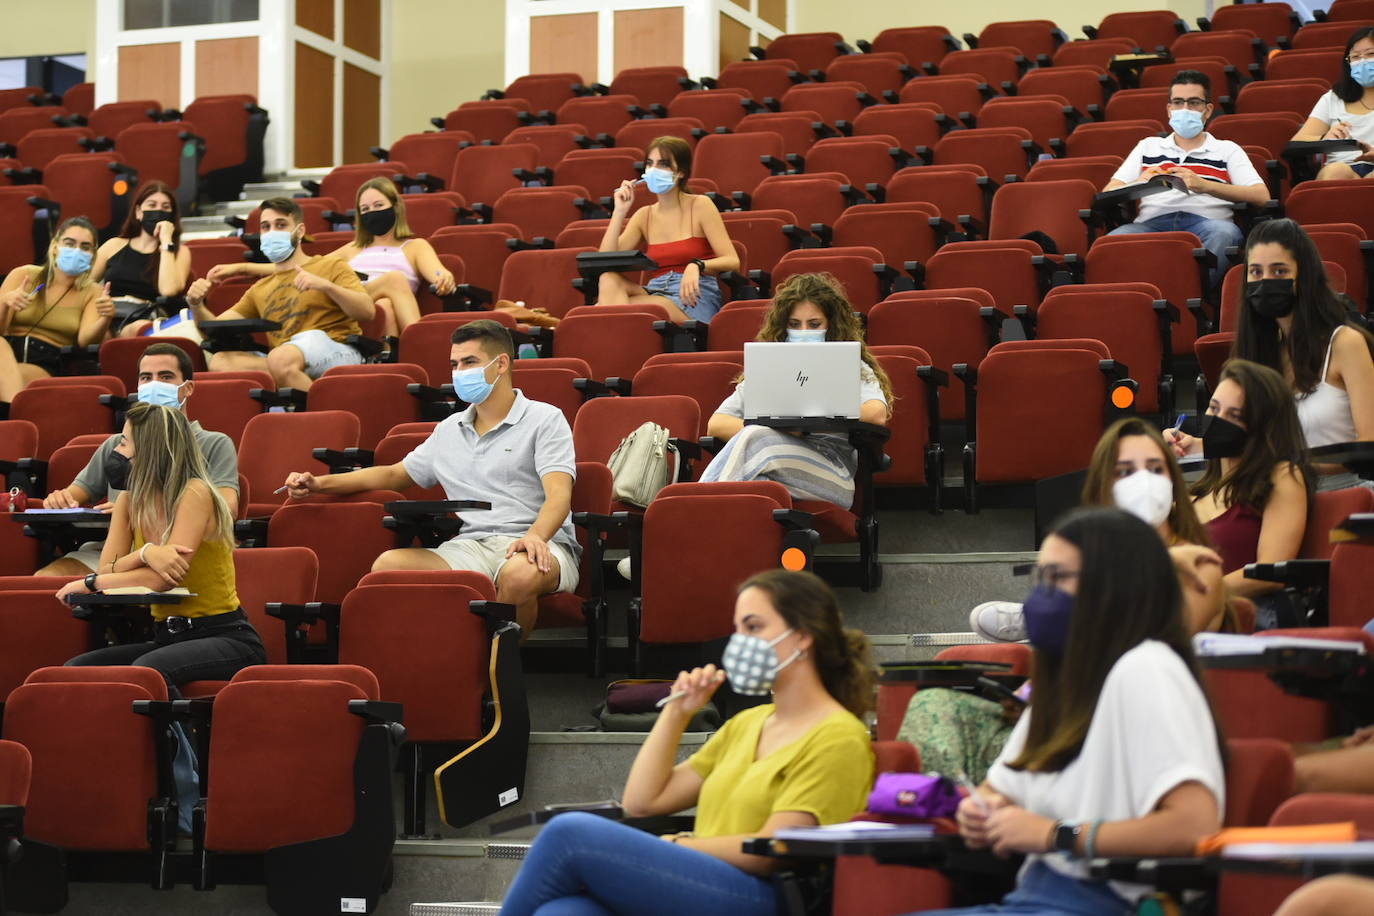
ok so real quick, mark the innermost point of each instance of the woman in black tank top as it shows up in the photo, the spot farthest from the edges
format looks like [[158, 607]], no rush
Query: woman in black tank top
[[146, 260]]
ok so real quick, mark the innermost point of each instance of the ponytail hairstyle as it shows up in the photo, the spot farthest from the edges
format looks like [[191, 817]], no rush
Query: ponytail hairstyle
[[842, 656]]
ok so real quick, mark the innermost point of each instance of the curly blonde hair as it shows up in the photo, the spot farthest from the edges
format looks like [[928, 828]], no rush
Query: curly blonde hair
[[827, 294]]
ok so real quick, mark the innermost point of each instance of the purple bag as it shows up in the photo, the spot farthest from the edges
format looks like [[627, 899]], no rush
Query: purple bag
[[913, 795]]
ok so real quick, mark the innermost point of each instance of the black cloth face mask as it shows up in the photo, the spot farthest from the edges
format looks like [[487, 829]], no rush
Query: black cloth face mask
[[116, 471], [152, 218], [1272, 298], [1222, 439], [379, 222]]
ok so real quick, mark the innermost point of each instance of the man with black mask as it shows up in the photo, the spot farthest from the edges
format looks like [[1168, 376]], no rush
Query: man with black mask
[[164, 377]]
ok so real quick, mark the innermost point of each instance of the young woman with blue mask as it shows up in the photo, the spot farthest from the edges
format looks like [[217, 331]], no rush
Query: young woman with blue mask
[[1117, 754], [682, 232], [1347, 111], [55, 304], [807, 308], [803, 759]]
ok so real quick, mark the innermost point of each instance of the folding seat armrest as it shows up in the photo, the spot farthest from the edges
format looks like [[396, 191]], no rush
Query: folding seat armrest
[[425, 394], [887, 276], [1025, 318], [933, 379], [591, 388], [590, 208], [869, 438], [115, 402], [900, 156], [759, 53], [763, 280], [707, 82], [493, 94], [792, 519], [969, 376], [430, 183], [866, 100], [481, 213], [844, 127], [971, 40], [822, 232], [971, 227], [816, 76], [340, 462], [251, 532], [823, 130], [754, 106], [711, 444], [34, 469], [686, 82], [1297, 574], [865, 45], [773, 164], [853, 195], [42, 203], [917, 272], [931, 68], [312, 186], [538, 243], [26, 175], [8, 151], [295, 398], [1201, 316], [586, 142], [740, 285], [722, 202], [637, 111], [379, 712], [1114, 369], [741, 198], [539, 338], [693, 331], [380, 153], [926, 154], [334, 217], [687, 448], [496, 613], [437, 122], [797, 162], [876, 193], [165, 115]]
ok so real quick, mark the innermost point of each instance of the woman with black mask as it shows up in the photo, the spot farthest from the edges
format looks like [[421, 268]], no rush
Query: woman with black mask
[[1292, 322], [394, 259], [146, 260], [1253, 496]]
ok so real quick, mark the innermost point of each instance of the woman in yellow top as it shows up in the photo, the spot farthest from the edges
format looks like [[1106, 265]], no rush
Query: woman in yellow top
[[170, 507], [53, 305], [802, 760]]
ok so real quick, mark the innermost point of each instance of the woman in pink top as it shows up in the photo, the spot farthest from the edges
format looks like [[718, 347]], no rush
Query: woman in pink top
[[384, 249], [1253, 496], [683, 232]]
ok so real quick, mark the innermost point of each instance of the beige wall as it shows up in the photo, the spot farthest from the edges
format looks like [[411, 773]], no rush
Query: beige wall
[[864, 20], [32, 28], [442, 53]]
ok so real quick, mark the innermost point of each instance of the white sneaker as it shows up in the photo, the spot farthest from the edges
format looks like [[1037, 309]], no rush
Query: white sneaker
[[999, 621], [623, 567]]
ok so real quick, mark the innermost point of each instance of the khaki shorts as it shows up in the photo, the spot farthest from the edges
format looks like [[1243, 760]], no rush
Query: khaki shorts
[[487, 555]]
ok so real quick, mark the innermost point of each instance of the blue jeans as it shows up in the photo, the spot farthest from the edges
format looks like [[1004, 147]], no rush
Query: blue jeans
[[1042, 891], [584, 865], [1216, 234]]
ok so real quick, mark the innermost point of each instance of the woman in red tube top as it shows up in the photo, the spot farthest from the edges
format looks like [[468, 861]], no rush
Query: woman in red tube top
[[682, 232]]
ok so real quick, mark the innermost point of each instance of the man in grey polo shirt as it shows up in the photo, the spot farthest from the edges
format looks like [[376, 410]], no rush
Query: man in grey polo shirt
[[164, 377], [505, 449]]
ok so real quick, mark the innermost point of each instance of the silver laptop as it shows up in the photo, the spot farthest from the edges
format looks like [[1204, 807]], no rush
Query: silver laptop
[[802, 379]]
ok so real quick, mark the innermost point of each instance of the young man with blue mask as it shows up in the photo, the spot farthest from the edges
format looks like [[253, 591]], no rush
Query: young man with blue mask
[[318, 302], [1216, 172], [504, 449], [165, 377]]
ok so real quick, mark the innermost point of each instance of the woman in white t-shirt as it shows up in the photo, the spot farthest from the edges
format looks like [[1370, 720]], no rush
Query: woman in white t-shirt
[[1347, 111], [1117, 754]]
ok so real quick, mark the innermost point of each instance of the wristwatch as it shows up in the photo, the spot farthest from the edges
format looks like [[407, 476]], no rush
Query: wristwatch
[[90, 582], [1066, 837]]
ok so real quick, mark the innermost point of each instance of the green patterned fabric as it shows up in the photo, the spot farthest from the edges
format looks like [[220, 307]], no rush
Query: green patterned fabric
[[956, 732]]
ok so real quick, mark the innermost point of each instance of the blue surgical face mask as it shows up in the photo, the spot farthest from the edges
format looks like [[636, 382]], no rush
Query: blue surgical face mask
[[660, 181], [806, 335], [163, 394], [278, 244], [1362, 72], [1048, 611], [1186, 122], [471, 385], [73, 261]]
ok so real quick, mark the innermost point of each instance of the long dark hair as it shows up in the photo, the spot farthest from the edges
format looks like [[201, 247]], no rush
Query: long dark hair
[[1346, 87], [1315, 317], [133, 222], [1128, 592], [842, 656], [680, 152], [1097, 488], [1275, 437]]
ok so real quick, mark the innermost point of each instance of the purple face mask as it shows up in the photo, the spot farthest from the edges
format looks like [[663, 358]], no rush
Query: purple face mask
[[1048, 611]]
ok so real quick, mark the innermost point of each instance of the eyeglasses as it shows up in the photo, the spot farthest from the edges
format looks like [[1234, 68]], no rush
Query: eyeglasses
[[1194, 104], [73, 243], [1356, 58]]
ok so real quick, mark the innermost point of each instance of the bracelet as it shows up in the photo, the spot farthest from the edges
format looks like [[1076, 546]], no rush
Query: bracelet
[[89, 582], [1090, 845], [141, 551], [701, 266]]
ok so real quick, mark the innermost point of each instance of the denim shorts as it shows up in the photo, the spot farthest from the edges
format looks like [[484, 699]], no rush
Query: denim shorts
[[1362, 168], [708, 294]]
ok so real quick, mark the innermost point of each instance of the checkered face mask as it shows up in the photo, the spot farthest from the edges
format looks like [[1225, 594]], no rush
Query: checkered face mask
[[752, 665]]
